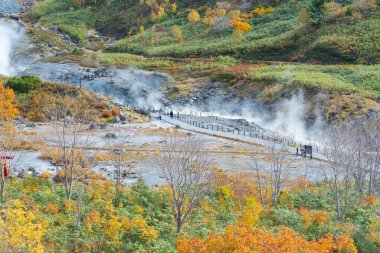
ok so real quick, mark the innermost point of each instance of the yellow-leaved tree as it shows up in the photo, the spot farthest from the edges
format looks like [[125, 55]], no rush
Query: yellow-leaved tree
[[8, 110], [193, 17]]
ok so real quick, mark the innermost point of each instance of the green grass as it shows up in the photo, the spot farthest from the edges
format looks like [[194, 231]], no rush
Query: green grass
[[276, 36], [49, 7], [209, 44], [360, 79], [124, 60], [61, 14], [350, 41]]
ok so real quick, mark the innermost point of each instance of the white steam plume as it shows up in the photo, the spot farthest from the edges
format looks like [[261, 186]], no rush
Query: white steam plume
[[11, 36]]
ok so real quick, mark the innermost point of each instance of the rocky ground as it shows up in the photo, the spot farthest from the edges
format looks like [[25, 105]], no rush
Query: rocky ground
[[9, 7], [134, 87], [148, 138]]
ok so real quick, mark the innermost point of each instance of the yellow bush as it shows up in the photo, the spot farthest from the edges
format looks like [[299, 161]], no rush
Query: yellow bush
[[177, 33], [208, 20], [242, 26], [52, 208], [21, 230], [334, 10], [193, 17], [262, 11], [46, 175]]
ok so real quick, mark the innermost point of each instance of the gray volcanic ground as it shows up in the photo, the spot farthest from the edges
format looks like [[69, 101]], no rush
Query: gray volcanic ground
[[8, 7]]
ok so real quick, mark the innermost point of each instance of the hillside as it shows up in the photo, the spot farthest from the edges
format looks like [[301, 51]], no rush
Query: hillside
[[286, 31], [35, 98]]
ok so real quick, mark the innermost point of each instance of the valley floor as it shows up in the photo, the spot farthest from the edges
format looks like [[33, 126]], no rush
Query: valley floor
[[148, 138]]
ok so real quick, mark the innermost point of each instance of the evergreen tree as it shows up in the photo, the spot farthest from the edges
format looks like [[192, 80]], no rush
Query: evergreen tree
[[316, 12]]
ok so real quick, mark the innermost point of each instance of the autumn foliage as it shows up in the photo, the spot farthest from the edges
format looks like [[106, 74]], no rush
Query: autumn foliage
[[194, 16], [242, 239], [262, 10], [8, 110], [241, 26], [21, 229]]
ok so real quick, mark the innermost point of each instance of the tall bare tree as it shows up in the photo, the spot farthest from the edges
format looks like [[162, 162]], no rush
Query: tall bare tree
[[340, 161], [73, 139], [271, 178], [372, 135], [187, 169], [122, 157], [357, 145]]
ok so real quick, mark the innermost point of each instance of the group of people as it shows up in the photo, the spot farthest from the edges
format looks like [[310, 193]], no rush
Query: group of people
[[306, 150]]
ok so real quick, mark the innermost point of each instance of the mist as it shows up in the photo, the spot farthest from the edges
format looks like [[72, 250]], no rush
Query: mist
[[12, 37], [144, 88], [287, 117]]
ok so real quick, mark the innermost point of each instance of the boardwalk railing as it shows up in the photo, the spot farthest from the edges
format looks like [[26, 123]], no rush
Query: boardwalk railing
[[220, 124]]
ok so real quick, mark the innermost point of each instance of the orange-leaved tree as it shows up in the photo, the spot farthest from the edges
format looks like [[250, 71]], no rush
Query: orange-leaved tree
[[8, 133], [242, 26], [8, 110], [243, 239]]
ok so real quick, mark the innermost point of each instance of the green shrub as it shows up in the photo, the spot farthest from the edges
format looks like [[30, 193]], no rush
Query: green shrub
[[49, 7], [364, 244], [24, 84], [77, 51]]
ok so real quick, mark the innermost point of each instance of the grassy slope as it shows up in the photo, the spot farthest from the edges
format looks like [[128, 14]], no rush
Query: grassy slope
[[61, 14], [363, 80], [276, 36]]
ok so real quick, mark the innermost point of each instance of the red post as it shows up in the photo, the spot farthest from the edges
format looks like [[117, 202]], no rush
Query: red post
[[5, 166], [6, 172]]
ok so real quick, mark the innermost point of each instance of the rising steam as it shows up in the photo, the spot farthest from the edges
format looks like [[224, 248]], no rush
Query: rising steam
[[11, 36]]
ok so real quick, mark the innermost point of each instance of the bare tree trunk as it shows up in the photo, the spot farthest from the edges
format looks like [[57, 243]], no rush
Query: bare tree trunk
[[186, 168], [123, 159], [342, 155], [73, 139], [337, 197], [2, 184], [271, 179]]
